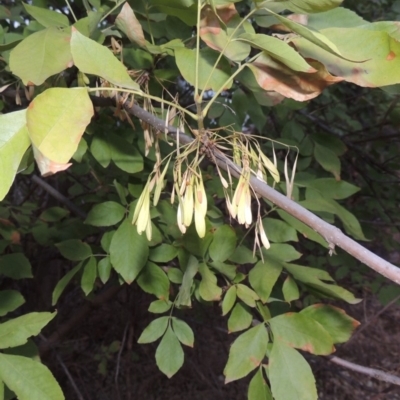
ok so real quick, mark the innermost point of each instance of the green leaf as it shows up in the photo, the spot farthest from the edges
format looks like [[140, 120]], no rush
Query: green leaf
[[41, 55], [331, 188], [53, 214], [74, 249], [63, 282], [313, 36], [247, 295], [208, 289], [258, 388], [290, 375], [223, 244], [105, 214], [89, 275], [160, 306], [154, 330], [328, 160], [106, 240], [101, 150], [240, 318], [14, 141], [46, 17], [124, 155], [163, 253], [152, 279], [175, 275], [54, 112], [301, 332], [305, 230], [183, 332], [10, 300], [29, 379], [208, 79], [228, 270], [169, 354], [104, 269], [335, 321], [229, 300], [129, 251], [16, 332], [15, 266], [377, 49], [350, 222], [243, 255], [279, 231], [246, 353], [281, 252], [317, 279], [290, 290], [278, 50], [184, 295], [263, 277], [92, 58]]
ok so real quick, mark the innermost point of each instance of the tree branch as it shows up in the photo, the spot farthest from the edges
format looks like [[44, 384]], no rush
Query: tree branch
[[374, 373], [334, 236]]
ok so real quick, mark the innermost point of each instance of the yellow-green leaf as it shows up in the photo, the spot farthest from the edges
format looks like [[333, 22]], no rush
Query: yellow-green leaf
[[14, 141], [56, 121], [92, 58], [41, 55]]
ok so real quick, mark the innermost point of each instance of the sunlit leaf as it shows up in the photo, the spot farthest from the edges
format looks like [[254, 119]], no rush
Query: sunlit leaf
[[16, 332], [303, 333], [183, 332], [41, 55], [290, 375], [335, 321], [92, 58], [154, 330], [258, 387], [14, 141], [53, 114], [246, 353], [38, 381], [46, 17]]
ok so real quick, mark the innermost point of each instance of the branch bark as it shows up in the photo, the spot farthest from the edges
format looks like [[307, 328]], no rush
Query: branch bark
[[333, 235], [372, 372]]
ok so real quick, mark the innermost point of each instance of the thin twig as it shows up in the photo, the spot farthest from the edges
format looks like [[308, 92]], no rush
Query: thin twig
[[60, 197], [372, 372], [119, 357]]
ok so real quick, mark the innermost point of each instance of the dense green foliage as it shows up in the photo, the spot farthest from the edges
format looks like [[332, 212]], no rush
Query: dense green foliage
[[140, 203]]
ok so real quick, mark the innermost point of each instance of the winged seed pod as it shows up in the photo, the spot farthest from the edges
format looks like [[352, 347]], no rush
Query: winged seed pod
[[262, 234], [141, 216], [188, 203], [241, 202], [200, 206]]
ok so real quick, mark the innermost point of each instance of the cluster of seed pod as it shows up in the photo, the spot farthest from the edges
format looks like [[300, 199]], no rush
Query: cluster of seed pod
[[191, 194]]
